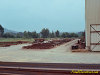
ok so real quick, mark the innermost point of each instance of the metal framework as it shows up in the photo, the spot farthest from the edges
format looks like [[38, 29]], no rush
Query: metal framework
[[95, 31]]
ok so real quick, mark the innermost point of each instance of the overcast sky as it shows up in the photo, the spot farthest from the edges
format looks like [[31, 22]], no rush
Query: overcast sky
[[30, 15]]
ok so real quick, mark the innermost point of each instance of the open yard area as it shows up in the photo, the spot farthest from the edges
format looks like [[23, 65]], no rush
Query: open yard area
[[59, 54]]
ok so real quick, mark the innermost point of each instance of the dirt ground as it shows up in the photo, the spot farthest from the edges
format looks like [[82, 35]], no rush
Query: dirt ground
[[59, 54]]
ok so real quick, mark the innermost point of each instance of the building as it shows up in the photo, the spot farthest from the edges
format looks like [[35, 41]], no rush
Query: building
[[92, 13]]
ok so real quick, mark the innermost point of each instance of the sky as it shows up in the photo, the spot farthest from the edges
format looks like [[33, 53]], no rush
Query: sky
[[31, 15]]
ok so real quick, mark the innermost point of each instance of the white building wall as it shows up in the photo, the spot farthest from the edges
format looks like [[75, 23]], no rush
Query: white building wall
[[92, 12]]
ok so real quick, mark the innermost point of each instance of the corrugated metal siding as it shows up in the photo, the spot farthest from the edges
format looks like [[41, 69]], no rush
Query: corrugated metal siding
[[92, 13]]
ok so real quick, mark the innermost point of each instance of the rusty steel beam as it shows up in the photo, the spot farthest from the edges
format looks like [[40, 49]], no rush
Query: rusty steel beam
[[22, 68]]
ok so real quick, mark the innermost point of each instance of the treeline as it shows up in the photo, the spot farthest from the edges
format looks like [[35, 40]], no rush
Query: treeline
[[45, 33]]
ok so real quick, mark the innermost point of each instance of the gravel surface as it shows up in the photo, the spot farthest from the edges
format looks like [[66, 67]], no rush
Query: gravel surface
[[59, 54]]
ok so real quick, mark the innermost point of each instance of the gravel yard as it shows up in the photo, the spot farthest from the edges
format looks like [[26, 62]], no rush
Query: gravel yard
[[59, 54]]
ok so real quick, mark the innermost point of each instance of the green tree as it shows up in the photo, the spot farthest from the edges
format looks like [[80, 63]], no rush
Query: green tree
[[63, 35], [45, 33], [73, 35], [8, 35], [19, 35], [35, 34], [29, 34], [67, 34], [1, 31], [52, 35], [57, 33], [26, 34]]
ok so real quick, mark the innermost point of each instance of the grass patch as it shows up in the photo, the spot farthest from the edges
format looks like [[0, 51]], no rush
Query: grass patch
[[16, 39]]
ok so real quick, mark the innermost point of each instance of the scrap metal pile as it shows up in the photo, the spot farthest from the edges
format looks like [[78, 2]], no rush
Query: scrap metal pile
[[42, 44], [79, 45], [7, 44]]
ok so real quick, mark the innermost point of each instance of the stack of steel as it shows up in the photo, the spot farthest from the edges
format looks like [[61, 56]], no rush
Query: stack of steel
[[79, 45], [39, 40], [42, 44]]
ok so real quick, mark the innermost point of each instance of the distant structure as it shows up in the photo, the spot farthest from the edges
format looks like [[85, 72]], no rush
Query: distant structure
[[92, 12]]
